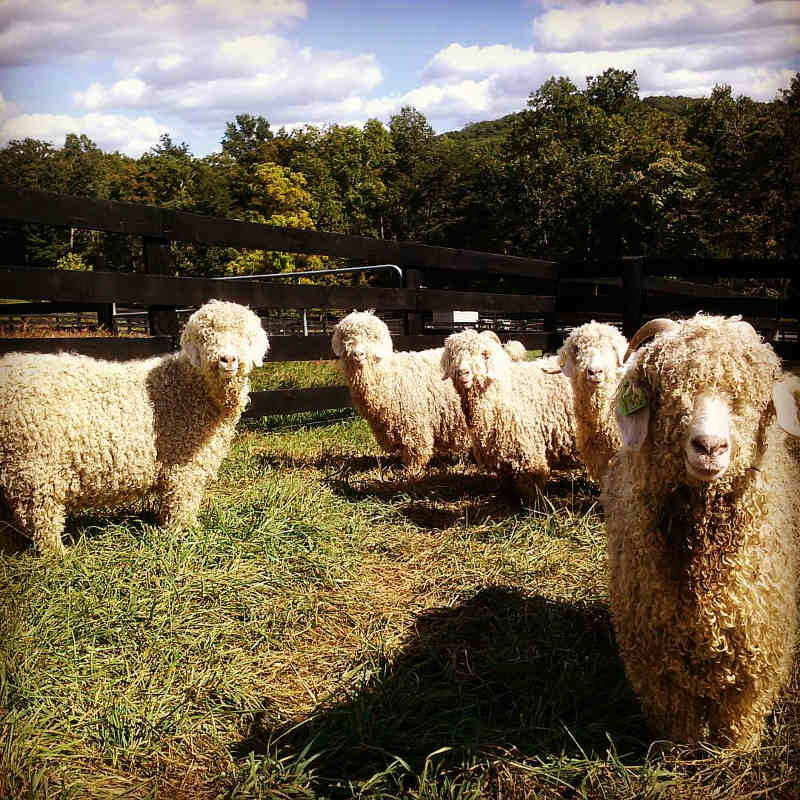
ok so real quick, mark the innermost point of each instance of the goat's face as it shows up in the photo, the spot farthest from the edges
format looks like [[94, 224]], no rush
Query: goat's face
[[700, 396], [361, 338], [471, 359], [592, 355], [224, 340], [707, 444]]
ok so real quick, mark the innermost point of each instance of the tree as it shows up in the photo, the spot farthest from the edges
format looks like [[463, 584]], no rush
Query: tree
[[280, 198], [409, 177], [784, 169], [615, 90], [165, 175], [736, 138], [558, 171], [247, 140]]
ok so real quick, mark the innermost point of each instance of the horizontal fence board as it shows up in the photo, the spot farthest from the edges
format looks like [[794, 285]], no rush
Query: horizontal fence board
[[300, 348], [663, 304], [790, 351], [590, 304], [44, 309], [167, 290], [578, 282], [293, 401], [115, 348], [590, 269], [282, 348], [315, 348], [27, 205], [687, 267], [723, 267], [675, 286], [749, 306], [445, 300]]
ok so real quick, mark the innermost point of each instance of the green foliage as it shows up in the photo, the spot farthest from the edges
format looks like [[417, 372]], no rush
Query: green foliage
[[578, 173], [615, 91], [72, 261], [247, 140], [280, 198]]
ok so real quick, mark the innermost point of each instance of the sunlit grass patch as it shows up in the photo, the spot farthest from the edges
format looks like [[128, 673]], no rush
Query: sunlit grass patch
[[296, 374]]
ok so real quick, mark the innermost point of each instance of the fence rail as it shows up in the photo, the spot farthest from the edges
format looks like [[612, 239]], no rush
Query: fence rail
[[282, 348], [48, 208], [626, 291]]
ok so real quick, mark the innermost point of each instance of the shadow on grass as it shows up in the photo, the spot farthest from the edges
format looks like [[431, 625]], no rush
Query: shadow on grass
[[442, 496], [85, 525], [448, 493], [12, 542], [499, 672]]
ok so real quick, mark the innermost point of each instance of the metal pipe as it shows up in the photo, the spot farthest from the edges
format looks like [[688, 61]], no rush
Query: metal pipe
[[310, 272]]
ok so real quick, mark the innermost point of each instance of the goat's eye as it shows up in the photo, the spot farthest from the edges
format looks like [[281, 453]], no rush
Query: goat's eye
[[485, 354]]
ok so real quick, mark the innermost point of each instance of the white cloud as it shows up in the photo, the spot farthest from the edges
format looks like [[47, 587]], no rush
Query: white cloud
[[608, 25], [34, 32], [128, 93], [109, 131], [247, 72], [456, 61]]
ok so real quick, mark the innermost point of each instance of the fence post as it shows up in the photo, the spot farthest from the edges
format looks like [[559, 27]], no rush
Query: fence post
[[413, 321], [13, 241], [550, 321], [632, 294], [163, 320]]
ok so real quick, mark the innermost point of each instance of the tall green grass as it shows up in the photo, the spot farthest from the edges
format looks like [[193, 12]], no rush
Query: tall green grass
[[334, 628]]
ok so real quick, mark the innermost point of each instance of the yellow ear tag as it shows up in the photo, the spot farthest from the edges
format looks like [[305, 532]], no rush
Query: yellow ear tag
[[631, 399]]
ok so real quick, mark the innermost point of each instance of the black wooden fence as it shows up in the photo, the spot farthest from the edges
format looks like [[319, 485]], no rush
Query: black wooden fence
[[556, 297]]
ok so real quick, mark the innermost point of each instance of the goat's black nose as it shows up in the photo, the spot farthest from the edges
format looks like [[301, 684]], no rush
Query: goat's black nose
[[709, 445]]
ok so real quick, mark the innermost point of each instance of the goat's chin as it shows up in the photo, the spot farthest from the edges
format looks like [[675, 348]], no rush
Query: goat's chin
[[705, 474]]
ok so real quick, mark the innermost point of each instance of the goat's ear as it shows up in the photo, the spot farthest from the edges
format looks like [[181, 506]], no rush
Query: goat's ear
[[786, 397], [566, 361], [445, 364], [632, 412], [259, 347], [620, 350], [190, 347], [336, 343]]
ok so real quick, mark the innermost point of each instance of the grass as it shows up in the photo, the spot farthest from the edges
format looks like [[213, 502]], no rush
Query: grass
[[296, 374], [333, 628]]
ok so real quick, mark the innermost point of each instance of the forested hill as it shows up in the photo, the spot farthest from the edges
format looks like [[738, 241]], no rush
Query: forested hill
[[496, 129], [590, 172]]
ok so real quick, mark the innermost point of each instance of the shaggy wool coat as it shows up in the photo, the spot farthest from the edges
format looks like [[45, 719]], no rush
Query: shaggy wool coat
[[596, 432], [703, 577], [520, 418], [77, 432], [410, 409]]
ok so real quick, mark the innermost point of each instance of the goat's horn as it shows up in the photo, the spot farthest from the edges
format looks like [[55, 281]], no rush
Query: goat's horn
[[648, 331]]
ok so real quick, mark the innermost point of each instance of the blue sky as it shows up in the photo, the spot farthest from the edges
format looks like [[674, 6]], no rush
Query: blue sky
[[124, 72]]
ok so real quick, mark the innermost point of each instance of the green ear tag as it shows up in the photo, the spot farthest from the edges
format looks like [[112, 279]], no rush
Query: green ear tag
[[631, 399]]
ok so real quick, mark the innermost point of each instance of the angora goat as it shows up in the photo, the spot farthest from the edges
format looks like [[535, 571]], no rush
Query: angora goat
[[520, 418], [702, 515], [410, 410], [591, 358], [77, 432]]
